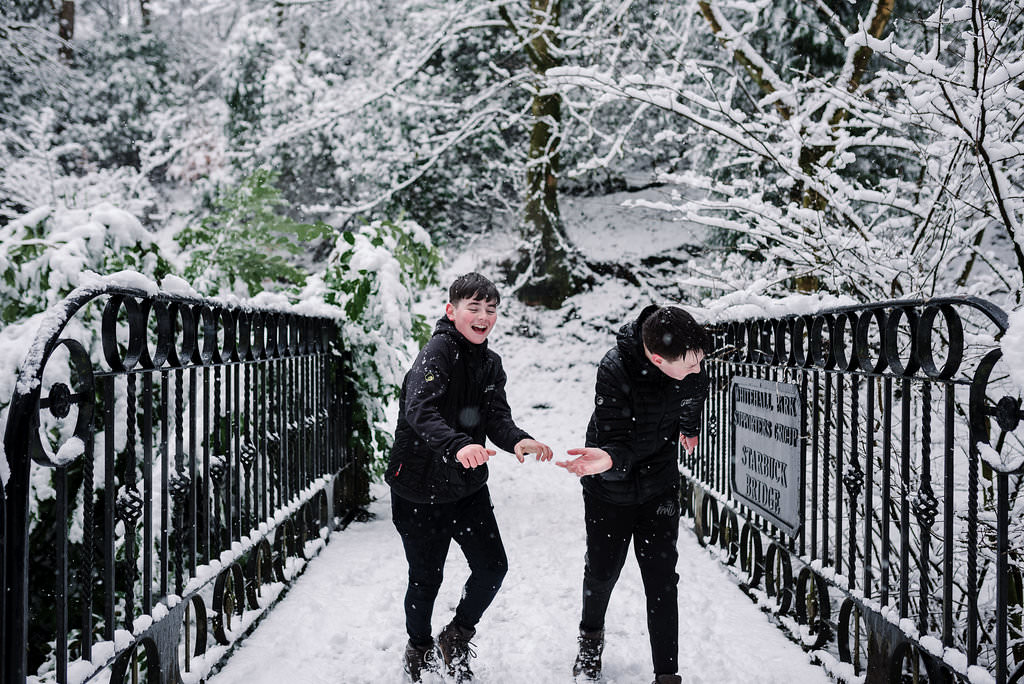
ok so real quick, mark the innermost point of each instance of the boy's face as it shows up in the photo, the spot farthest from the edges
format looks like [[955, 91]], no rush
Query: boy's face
[[685, 365], [474, 318]]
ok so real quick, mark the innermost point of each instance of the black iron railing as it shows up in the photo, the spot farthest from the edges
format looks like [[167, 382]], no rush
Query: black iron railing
[[905, 562], [160, 499]]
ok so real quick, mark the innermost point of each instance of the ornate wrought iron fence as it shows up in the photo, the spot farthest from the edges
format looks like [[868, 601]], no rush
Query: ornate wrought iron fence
[[906, 564], [159, 501]]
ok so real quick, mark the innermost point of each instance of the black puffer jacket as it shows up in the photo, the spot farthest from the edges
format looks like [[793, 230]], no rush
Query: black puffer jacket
[[638, 415], [453, 395]]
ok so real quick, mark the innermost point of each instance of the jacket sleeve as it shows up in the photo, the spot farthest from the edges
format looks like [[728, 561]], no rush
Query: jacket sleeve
[[689, 420], [425, 385], [501, 429], [613, 417]]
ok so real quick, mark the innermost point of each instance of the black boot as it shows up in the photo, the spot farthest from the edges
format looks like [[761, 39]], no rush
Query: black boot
[[588, 661], [456, 649], [420, 659], [668, 679]]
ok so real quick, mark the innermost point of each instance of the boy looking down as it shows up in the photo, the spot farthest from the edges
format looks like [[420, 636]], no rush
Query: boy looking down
[[650, 392]]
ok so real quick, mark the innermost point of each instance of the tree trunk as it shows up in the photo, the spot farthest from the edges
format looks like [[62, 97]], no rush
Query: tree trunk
[[145, 12], [548, 268], [66, 30]]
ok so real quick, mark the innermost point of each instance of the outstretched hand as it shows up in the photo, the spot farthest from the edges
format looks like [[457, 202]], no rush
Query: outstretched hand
[[589, 461], [473, 455], [532, 446]]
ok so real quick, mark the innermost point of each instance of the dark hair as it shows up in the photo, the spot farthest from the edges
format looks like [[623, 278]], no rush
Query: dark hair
[[672, 333], [473, 286]]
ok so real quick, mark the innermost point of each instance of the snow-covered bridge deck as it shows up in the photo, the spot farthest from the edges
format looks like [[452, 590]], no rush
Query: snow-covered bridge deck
[[342, 620]]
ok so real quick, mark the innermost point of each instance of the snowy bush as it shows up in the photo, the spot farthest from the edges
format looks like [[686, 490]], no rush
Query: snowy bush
[[246, 245], [372, 275]]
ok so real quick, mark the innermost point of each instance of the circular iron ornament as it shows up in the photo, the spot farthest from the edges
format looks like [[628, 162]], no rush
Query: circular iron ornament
[[283, 326], [697, 506], [195, 613], [272, 322], [783, 341], [813, 607], [892, 338], [735, 342], [301, 333], [229, 339], [758, 354], [123, 670], [245, 346], [157, 315], [709, 514], [954, 341], [136, 319], [751, 555], [685, 492], [294, 327], [324, 509], [281, 553], [60, 398], [338, 498], [981, 409], [908, 652], [819, 341], [259, 335], [228, 600], [845, 354], [207, 323], [292, 537], [852, 636], [729, 535], [862, 341], [778, 583], [800, 341], [261, 571], [311, 516], [324, 338], [1007, 413], [184, 323]]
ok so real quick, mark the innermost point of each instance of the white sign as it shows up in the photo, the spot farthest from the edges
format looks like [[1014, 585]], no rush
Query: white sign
[[766, 472]]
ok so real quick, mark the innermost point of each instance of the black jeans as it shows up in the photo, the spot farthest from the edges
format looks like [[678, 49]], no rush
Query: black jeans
[[427, 531], [654, 528]]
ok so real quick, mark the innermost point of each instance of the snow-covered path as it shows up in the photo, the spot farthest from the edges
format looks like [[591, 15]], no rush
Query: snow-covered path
[[342, 621]]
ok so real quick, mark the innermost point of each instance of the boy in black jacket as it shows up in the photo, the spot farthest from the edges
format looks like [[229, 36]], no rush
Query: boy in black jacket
[[650, 392], [452, 399]]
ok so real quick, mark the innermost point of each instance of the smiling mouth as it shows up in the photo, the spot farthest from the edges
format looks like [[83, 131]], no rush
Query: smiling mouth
[[480, 329]]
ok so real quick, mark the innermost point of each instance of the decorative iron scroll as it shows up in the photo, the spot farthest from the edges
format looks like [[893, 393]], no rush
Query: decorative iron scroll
[[195, 452], [911, 466]]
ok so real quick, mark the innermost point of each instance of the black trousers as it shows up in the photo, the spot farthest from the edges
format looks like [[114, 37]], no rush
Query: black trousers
[[427, 531], [654, 529]]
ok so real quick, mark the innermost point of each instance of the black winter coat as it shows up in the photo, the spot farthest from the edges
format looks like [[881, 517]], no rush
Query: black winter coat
[[639, 413], [453, 395]]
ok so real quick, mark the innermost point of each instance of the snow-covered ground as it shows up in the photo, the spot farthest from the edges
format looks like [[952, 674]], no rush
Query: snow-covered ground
[[342, 622]]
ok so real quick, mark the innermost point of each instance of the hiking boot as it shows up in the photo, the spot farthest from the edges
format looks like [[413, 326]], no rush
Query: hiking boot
[[587, 667], [420, 659], [668, 679], [456, 649]]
